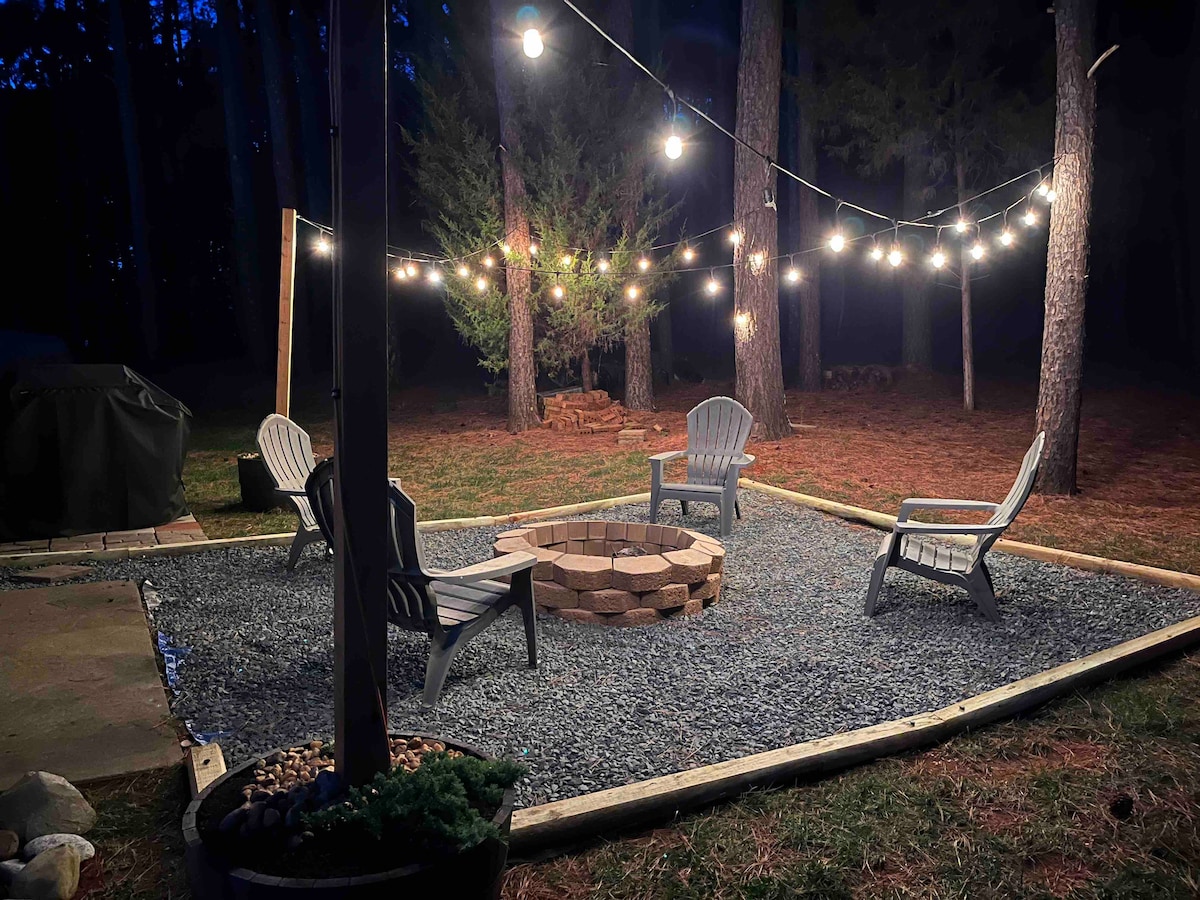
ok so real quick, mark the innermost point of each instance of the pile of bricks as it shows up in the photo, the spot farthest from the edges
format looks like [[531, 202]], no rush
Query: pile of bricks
[[589, 412], [578, 578]]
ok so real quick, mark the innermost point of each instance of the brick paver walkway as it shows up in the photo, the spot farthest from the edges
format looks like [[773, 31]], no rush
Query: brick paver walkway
[[181, 531]]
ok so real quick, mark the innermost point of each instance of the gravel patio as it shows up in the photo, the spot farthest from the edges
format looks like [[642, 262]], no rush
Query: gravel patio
[[786, 656]]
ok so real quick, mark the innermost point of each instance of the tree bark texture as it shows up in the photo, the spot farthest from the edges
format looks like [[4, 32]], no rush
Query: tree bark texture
[[522, 368], [639, 372], [248, 299], [585, 371], [135, 176], [1060, 390], [277, 76], [756, 282], [968, 343], [916, 334], [809, 217]]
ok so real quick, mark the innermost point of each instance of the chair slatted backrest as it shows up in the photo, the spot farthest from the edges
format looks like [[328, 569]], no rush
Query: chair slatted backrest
[[413, 601], [288, 455], [319, 488], [717, 432], [1007, 511]]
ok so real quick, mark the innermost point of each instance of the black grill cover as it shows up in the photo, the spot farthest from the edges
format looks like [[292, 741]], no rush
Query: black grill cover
[[87, 449]]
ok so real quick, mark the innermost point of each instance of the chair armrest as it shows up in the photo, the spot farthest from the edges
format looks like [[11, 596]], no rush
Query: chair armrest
[[746, 459], [915, 503], [490, 568], [668, 456], [942, 528], [292, 492]]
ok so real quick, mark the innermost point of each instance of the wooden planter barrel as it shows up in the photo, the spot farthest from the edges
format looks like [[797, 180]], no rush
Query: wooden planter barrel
[[474, 873], [257, 485]]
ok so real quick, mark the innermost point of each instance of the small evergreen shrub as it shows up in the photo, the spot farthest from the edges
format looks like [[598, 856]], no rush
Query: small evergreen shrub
[[442, 807]]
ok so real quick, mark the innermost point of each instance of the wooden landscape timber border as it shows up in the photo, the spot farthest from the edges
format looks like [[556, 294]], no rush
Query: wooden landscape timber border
[[542, 827], [32, 560], [559, 824], [1166, 577]]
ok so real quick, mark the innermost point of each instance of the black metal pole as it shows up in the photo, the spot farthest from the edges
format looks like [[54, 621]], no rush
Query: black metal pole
[[358, 73]]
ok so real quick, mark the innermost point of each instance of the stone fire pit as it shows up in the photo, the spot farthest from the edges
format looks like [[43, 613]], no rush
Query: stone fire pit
[[588, 571]]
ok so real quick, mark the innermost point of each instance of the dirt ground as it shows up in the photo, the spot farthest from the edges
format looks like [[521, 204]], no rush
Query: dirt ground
[[1139, 455]]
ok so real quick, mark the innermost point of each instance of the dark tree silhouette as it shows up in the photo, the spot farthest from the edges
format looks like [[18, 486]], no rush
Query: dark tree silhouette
[[277, 81]]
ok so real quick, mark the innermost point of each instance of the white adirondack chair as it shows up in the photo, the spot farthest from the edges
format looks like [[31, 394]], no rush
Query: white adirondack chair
[[717, 433], [287, 452], [959, 566]]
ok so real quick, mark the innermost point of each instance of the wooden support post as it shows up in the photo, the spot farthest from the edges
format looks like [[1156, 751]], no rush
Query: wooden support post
[[287, 291], [360, 404]]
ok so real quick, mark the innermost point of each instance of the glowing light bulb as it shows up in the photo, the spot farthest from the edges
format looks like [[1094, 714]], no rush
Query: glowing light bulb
[[877, 253], [533, 249], [411, 270], [505, 249], [960, 226], [713, 286], [735, 237], [531, 43], [324, 245], [401, 274], [1029, 218], [977, 251], [558, 292], [567, 259], [895, 258], [793, 275], [674, 147], [742, 320], [632, 292], [463, 271], [837, 243], [1051, 195], [481, 284], [488, 262], [1043, 189], [602, 265], [688, 254], [938, 259], [434, 276], [1006, 238], [643, 264]]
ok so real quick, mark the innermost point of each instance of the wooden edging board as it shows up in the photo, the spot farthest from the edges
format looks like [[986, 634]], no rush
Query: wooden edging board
[[30, 560], [566, 821], [1166, 577]]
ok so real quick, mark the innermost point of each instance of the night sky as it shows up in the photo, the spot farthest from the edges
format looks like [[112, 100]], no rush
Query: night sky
[[63, 194]]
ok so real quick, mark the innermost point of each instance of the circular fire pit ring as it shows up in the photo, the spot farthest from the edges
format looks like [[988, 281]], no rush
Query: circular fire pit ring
[[618, 573]]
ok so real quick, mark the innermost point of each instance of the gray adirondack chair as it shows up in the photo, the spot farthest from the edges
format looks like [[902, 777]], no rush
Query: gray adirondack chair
[[451, 607], [287, 452], [959, 566], [717, 433]]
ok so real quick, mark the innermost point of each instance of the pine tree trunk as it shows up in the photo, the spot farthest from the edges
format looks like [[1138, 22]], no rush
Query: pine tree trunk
[[639, 372], [314, 110], [1060, 391], [756, 286], [809, 292], [248, 300], [663, 339], [522, 369], [135, 176], [276, 79], [916, 347], [968, 343], [585, 372]]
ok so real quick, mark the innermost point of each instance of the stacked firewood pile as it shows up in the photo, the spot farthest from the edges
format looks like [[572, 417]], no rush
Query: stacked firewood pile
[[589, 412]]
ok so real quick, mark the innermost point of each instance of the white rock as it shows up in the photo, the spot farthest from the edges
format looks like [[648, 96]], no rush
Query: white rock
[[41, 803], [47, 841]]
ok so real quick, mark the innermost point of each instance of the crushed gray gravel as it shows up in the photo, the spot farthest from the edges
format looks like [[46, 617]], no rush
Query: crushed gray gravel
[[786, 656]]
